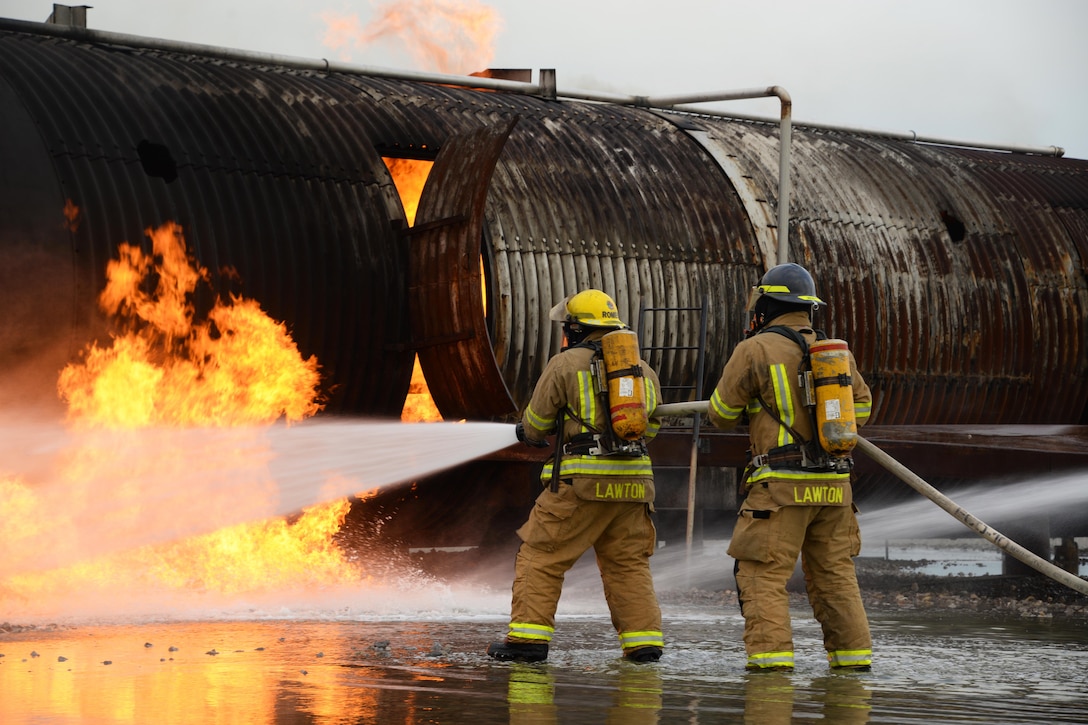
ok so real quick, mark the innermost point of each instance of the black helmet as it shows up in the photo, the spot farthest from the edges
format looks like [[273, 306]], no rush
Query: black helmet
[[790, 283]]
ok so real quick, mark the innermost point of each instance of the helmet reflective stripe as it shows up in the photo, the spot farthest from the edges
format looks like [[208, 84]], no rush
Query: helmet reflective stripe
[[786, 282], [771, 659], [850, 657], [528, 630], [783, 400], [648, 638]]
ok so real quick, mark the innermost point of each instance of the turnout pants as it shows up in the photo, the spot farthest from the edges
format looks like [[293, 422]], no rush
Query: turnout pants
[[560, 529], [766, 543]]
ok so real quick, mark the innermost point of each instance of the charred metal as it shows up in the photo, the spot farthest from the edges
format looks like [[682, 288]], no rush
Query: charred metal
[[959, 275]]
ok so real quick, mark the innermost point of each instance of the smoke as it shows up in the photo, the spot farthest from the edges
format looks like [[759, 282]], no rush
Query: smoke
[[444, 36]]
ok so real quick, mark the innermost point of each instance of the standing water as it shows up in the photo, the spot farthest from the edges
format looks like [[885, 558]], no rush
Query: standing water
[[407, 647]]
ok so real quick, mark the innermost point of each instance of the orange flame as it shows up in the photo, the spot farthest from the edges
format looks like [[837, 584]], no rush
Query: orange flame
[[168, 370], [410, 176], [446, 36], [236, 368]]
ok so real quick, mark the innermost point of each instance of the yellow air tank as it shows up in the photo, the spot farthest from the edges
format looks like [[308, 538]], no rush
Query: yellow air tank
[[835, 421], [626, 388]]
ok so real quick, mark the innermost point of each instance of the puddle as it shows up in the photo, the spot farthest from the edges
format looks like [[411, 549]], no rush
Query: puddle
[[955, 667]]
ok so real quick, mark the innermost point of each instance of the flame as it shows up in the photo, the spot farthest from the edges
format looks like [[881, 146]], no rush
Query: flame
[[446, 36], [71, 215], [237, 369], [419, 406], [410, 176]]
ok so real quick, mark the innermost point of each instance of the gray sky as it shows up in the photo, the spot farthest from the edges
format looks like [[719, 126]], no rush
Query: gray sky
[[991, 71]]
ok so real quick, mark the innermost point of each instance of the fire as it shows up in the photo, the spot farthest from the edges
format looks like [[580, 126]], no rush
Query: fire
[[409, 176], [237, 370], [446, 36], [238, 367], [419, 406]]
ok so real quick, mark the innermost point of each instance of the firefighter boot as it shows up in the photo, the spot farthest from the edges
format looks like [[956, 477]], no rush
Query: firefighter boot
[[518, 651], [643, 654]]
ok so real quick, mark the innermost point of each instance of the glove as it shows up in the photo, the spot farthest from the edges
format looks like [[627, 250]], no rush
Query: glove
[[519, 430]]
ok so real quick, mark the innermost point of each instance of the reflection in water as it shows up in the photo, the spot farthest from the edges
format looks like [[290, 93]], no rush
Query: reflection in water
[[845, 698], [634, 695], [531, 695], [350, 669], [770, 698]]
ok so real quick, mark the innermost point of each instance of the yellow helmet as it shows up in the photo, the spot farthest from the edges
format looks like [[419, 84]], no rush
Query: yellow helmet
[[590, 307]]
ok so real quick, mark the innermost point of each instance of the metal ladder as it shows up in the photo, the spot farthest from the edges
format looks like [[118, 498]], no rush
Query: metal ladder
[[696, 389]]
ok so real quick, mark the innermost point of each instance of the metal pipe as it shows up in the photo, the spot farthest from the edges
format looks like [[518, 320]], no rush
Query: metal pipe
[[907, 476], [911, 136], [785, 134], [544, 87]]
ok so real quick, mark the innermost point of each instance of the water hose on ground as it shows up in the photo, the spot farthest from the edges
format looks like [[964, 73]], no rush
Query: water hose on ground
[[918, 484]]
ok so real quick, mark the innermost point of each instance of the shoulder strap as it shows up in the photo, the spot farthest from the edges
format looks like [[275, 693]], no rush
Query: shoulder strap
[[791, 334], [797, 337], [595, 345]]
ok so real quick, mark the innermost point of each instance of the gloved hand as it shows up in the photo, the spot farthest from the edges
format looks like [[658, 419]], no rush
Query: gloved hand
[[519, 430]]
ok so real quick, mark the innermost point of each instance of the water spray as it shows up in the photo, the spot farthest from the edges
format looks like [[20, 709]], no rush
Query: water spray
[[918, 484]]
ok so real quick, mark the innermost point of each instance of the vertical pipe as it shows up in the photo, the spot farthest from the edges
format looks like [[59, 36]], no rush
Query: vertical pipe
[[785, 134]]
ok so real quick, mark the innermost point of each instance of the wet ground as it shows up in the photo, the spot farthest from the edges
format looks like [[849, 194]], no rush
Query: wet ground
[[978, 650], [949, 668]]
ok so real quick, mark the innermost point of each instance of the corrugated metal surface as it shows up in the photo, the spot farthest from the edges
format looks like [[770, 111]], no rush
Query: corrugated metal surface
[[620, 200], [958, 276], [273, 181], [584, 195]]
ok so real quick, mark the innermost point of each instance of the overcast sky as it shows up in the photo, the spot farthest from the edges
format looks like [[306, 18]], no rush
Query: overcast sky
[[1009, 72]]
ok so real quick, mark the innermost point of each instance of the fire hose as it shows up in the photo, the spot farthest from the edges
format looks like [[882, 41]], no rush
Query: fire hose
[[987, 532]]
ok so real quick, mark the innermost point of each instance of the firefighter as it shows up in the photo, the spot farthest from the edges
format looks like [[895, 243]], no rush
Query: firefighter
[[798, 502], [601, 496]]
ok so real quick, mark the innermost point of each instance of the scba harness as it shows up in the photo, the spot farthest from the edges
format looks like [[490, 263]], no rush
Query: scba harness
[[616, 382], [619, 386], [826, 391]]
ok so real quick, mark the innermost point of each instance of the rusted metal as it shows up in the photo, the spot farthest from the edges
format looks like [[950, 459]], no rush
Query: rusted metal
[[278, 195], [957, 275], [446, 280]]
